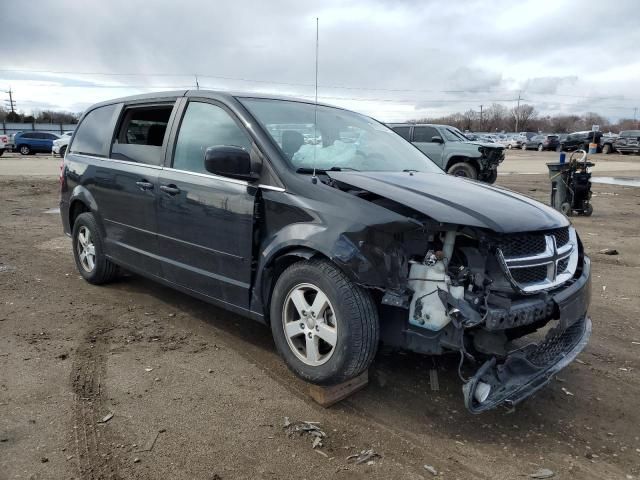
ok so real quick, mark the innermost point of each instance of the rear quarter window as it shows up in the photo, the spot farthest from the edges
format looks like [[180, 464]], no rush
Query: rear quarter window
[[93, 136], [402, 131]]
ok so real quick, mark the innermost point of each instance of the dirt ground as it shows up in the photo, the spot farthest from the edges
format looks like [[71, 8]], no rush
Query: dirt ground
[[198, 393]]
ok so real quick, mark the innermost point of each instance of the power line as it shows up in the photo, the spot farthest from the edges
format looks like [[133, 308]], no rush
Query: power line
[[297, 84]]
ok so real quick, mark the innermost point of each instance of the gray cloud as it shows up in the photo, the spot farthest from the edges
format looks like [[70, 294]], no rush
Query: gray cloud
[[386, 58]]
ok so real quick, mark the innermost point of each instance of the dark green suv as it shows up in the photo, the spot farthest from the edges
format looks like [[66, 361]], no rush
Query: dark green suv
[[448, 148]]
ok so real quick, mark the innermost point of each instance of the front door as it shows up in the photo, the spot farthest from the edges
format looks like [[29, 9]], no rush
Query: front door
[[422, 138], [205, 221]]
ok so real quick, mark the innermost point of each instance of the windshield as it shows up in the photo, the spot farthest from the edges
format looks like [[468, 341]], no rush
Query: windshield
[[454, 135], [343, 140]]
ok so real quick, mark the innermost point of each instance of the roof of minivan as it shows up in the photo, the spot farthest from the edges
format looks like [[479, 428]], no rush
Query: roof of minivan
[[214, 94]]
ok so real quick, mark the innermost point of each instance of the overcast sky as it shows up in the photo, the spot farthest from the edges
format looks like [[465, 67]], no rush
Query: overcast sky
[[393, 59]]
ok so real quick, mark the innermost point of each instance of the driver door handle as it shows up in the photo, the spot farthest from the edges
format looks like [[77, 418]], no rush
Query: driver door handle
[[145, 185], [170, 189]]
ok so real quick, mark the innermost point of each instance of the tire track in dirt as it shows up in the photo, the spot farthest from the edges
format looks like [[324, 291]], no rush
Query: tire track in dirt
[[92, 452]]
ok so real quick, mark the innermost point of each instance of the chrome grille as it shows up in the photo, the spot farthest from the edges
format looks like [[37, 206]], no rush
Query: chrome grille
[[539, 261]]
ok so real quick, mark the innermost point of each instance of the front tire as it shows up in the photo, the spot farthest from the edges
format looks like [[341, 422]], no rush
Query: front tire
[[463, 169], [492, 177], [24, 150], [325, 326], [63, 150], [88, 251], [540, 147], [524, 147], [606, 149]]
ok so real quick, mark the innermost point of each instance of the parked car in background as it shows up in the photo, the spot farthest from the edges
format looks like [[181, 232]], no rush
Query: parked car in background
[[528, 135], [29, 143], [453, 152], [541, 143], [336, 247], [607, 143], [579, 140], [60, 145], [628, 141], [513, 142], [4, 140]]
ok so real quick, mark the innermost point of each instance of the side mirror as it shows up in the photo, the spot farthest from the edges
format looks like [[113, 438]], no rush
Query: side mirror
[[437, 139], [230, 161]]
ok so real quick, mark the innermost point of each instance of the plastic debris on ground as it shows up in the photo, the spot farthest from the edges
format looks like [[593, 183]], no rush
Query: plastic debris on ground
[[543, 473], [364, 456], [306, 428]]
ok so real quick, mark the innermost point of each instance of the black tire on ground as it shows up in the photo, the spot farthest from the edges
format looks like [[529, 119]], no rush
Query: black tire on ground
[[63, 150], [463, 169], [492, 177], [606, 149], [509, 146], [100, 270], [566, 209], [355, 316], [524, 146], [24, 150], [588, 210], [540, 147], [1, 151]]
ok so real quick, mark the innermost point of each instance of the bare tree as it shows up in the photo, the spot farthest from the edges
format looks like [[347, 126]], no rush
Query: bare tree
[[522, 115]]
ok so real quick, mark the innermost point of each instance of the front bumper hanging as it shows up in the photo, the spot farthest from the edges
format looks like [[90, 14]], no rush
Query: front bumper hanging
[[527, 370]]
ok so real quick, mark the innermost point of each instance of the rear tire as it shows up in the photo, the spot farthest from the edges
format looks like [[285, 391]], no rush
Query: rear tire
[[304, 327], [566, 209], [540, 147], [88, 251], [1, 151], [606, 149], [524, 147], [24, 150], [463, 169]]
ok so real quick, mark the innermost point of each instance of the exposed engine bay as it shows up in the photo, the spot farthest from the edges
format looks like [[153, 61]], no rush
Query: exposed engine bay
[[512, 305]]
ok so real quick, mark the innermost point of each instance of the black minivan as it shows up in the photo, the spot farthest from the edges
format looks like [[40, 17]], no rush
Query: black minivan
[[333, 230]]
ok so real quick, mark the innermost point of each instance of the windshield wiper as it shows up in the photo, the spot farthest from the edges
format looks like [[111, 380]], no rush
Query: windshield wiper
[[322, 170]]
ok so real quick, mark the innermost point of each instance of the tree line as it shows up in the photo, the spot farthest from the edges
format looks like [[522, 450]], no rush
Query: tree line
[[498, 118], [39, 116]]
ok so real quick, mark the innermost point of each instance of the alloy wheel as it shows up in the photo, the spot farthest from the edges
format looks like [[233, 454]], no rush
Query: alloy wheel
[[86, 249], [310, 324]]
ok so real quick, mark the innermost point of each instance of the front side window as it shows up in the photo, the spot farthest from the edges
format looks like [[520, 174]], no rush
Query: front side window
[[94, 133], [424, 134], [340, 139], [205, 125]]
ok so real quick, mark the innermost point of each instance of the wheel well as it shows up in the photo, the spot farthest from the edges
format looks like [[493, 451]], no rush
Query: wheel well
[[278, 265], [77, 207], [468, 160]]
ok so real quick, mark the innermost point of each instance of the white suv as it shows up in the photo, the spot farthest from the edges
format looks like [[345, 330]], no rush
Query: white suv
[[60, 145]]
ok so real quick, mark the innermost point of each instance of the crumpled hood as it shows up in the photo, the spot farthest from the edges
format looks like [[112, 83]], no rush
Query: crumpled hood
[[449, 199], [484, 144]]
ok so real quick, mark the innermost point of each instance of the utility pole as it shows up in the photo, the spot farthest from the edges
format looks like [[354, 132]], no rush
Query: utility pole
[[197, 84], [10, 102], [517, 112], [481, 120]]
